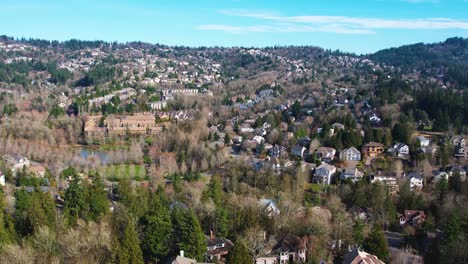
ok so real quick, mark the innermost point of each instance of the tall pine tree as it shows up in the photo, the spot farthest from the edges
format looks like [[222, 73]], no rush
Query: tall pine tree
[[126, 243], [376, 243], [157, 229], [188, 233]]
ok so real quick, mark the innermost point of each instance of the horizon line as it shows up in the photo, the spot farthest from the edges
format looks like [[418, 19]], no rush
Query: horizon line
[[23, 39]]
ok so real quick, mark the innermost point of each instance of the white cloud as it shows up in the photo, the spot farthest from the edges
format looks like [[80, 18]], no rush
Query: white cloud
[[283, 28], [333, 24]]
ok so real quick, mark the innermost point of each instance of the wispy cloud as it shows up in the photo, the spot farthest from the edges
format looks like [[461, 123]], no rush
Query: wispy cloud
[[284, 27], [270, 22]]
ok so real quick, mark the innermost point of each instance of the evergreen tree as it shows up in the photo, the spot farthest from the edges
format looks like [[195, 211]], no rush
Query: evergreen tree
[[222, 222], [188, 233], [75, 205], [97, 199], [376, 243], [214, 190], [157, 229], [126, 243], [239, 255], [442, 189], [5, 237], [33, 210]]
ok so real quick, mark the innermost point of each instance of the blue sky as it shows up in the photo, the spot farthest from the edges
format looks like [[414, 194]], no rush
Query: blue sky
[[360, 26]]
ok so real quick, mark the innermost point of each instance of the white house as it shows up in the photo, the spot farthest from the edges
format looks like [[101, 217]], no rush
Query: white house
[[415, 180], [423, 142], [324, 173], [350, 154], [374, 118], [400, 150], [440, 175], [390, 179]]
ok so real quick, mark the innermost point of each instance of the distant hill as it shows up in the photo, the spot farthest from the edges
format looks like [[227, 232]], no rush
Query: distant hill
[[448, 58]]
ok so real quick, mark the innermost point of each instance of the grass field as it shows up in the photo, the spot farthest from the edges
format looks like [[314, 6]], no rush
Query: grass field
[[118, 172]]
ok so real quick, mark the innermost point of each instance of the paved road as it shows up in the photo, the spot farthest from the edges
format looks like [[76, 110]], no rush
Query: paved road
[[394, 239]]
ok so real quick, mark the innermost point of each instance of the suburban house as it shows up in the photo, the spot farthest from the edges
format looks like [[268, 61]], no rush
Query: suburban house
[[353, 174], [457, 141], [350, 153], [324, 173], [416, 180], [361, 257], [388, 178], [16, 162], [439, 175], [412, 217], [269, 207], [372, 149], [217, 247], [290, 249], [423, 142], [276, 151], [325, 154], [359, 213], [375, 119], [400, 150], [337, 126], [298, 151], [459, 144], [453, 170], [460, 151]]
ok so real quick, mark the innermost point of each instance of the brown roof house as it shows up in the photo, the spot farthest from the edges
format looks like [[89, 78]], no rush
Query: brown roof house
[[326, 154], [412, 217], [372, 149], [290, 249], [217, 247]]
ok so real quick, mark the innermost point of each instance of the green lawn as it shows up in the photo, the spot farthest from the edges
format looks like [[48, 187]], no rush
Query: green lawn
[[118, 172]]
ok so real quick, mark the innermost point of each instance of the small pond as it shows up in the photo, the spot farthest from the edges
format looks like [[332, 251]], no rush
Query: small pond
[[87, 152]]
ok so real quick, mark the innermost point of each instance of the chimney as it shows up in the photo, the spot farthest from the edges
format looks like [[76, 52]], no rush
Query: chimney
[[211, 234], [182, 253]]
